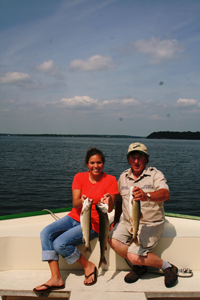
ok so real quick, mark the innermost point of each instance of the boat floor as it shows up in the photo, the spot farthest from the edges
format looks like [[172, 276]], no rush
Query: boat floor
[[18, 284]]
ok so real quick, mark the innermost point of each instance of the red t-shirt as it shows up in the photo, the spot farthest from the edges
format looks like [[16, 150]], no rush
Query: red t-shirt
[[107, 184]]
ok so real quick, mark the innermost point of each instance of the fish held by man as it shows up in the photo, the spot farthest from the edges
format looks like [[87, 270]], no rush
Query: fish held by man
[[135, 216], [85, 219], [104, 225]]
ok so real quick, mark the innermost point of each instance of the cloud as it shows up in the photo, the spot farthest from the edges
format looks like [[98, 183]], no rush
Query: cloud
[[127, 107], [8, 101], [49, 67], [5, 110], [128, 101], [88, 102], [156, 117], [157, 50], [186, 102], [93, 63], [15, 78], [77, 101], [21, 80]]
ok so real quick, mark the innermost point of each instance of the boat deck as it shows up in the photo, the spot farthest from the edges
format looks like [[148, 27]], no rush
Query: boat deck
[[18, 284], [21, 268]]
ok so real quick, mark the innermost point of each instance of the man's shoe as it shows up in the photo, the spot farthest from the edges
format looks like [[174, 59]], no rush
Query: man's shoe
[[135, 273], [170, 276]]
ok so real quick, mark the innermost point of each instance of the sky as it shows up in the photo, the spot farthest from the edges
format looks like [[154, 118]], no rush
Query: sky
[[127, 67]]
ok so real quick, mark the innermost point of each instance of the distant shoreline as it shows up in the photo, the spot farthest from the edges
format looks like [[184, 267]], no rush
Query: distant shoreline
[[75, 135], [186, 135]]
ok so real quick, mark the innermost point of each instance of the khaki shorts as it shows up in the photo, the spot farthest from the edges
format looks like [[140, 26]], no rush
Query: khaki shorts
[[148, 236]]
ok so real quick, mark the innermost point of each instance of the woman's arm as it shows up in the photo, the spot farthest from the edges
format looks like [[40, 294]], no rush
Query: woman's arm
[[77, 198]]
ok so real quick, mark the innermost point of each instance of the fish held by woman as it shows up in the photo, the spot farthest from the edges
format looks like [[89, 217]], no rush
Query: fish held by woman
[[85, 219], [104, 225], [135, 216]]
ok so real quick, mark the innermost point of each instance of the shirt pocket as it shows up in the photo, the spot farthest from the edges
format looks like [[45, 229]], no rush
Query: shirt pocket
[[124, 193], [125, 198]]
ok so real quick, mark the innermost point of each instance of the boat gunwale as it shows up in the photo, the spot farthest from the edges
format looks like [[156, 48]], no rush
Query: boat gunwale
[[67, 209]]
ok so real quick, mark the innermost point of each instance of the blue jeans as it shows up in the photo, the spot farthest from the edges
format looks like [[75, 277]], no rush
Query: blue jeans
[[62, 237]]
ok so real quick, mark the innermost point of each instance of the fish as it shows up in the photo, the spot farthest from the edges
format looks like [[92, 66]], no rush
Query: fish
[[104, 225], [135, 216], [85, 219]]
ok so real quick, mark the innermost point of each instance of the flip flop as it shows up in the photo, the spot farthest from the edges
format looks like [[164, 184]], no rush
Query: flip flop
[[48, 288], [95, 277]]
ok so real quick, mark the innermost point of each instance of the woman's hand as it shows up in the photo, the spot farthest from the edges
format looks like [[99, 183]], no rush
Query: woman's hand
[[109, 200], [83, 197], [106, 199]]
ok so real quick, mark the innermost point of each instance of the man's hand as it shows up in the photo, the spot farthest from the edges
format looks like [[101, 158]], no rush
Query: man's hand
[[139, 194]]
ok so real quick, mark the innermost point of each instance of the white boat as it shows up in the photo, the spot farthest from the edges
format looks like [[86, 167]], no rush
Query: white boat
[[21, 268]]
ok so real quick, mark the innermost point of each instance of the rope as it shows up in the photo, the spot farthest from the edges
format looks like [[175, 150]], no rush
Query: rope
[[52, 214]]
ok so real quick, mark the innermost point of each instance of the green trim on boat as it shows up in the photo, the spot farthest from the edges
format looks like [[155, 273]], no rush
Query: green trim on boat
[[66, 209], [35, 213], [182, 216]]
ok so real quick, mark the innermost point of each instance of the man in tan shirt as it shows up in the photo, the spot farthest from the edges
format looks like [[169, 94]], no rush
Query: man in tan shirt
[[147, 185]]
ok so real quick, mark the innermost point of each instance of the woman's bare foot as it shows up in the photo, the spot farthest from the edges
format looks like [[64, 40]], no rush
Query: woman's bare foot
[[90, 269], [58, 282]]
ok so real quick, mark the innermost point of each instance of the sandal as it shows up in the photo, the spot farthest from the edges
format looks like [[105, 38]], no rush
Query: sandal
[[48, 288], [95, 277]]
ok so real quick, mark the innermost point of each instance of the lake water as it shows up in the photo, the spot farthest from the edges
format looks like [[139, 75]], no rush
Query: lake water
[[37, 172]]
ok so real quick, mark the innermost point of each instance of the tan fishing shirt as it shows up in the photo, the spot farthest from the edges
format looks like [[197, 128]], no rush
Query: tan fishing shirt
[[149, 181]]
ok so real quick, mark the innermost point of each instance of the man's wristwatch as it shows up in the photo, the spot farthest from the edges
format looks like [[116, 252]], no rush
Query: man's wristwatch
[[149, 196]]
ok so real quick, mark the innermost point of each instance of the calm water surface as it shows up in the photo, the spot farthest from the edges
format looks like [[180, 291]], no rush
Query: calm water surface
[[37, 172]]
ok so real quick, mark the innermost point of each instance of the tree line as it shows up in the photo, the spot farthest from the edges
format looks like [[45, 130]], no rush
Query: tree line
[[185, 135]]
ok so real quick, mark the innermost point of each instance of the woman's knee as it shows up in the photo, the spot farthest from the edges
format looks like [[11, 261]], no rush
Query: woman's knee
[[62, 248], [44, 234], [57, 246], [49, 232]]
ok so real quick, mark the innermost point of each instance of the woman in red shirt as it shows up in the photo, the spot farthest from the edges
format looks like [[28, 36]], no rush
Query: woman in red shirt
[[62, 236]]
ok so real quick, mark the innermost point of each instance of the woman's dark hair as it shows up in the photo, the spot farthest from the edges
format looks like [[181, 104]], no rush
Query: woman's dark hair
[[94, 151]]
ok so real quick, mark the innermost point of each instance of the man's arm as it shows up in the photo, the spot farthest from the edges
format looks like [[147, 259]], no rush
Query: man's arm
[[157, 196]]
